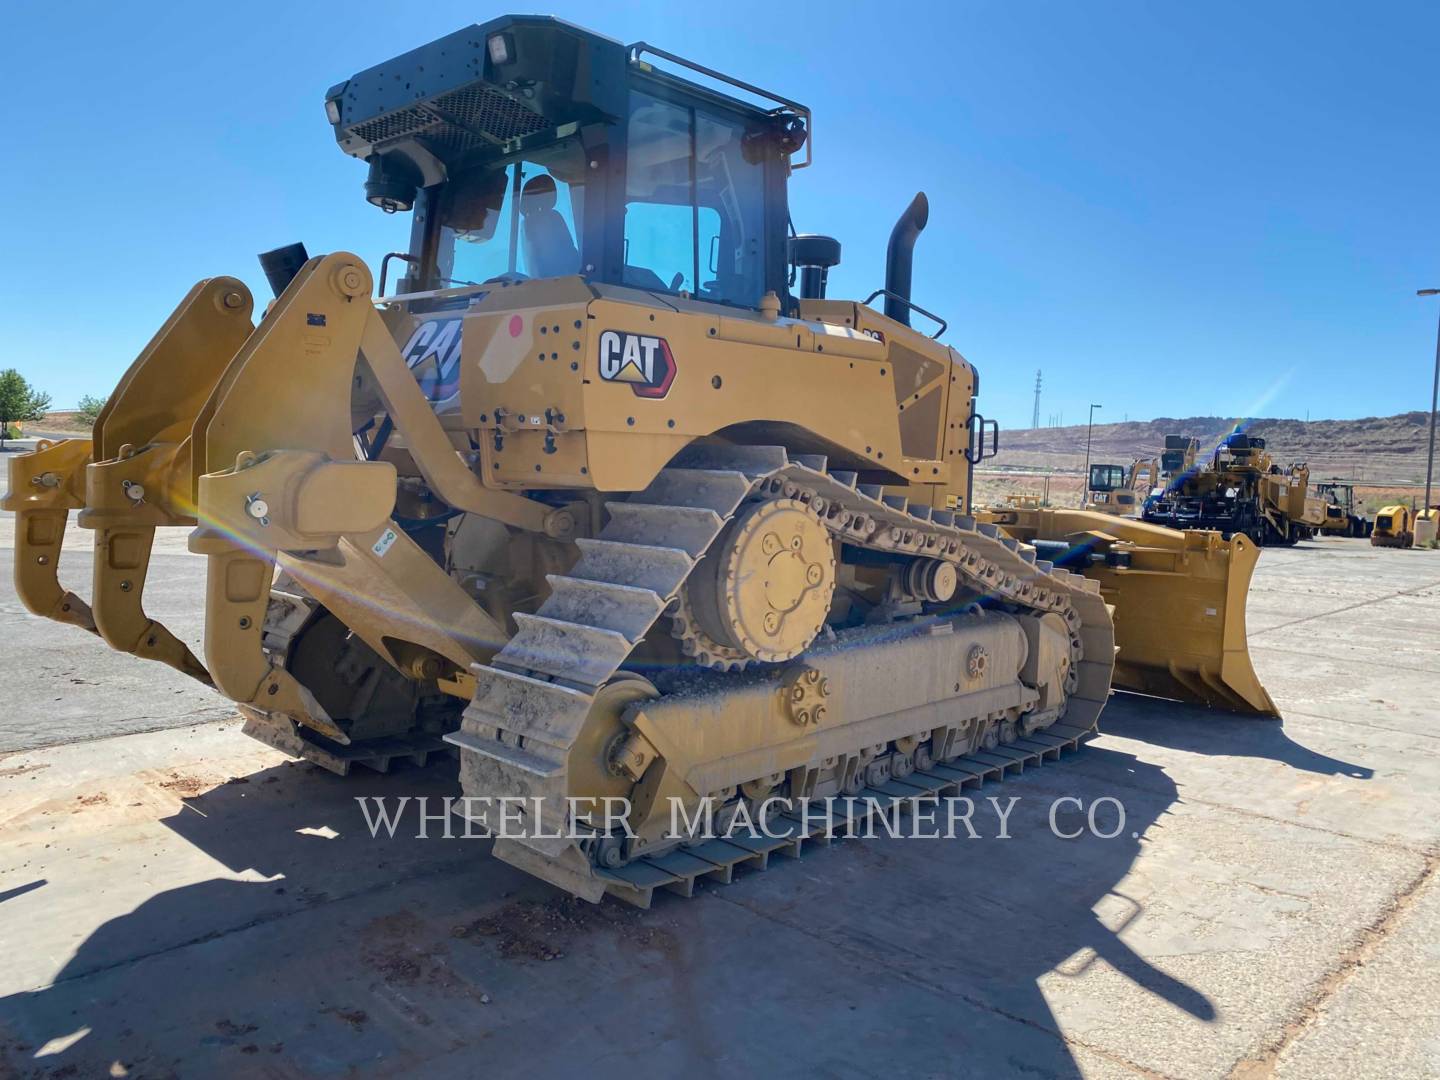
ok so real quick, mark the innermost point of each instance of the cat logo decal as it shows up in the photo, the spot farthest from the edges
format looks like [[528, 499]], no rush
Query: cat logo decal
[[433, 354], [642, 360]]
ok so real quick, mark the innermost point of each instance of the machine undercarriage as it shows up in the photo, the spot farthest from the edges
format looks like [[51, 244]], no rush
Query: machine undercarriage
[[966, 643]]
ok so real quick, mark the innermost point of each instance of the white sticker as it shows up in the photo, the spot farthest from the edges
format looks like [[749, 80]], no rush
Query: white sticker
[[387, 538], [1211, 611]]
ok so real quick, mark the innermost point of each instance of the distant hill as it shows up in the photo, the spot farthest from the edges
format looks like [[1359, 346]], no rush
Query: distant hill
[[1378, 449], [65, 423]]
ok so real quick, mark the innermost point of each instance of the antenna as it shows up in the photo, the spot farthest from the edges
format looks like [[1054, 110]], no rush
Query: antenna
[[1035, 416]]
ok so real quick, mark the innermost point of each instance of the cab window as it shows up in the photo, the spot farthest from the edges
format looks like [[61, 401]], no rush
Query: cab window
[[1106, 477], [518, 220], [694, 204]]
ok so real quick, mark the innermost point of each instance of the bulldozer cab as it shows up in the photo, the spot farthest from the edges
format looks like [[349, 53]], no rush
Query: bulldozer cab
[[529, 148], [546, 165]]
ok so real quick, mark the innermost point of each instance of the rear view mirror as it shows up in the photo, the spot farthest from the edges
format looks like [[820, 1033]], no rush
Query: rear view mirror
[[473, 204]]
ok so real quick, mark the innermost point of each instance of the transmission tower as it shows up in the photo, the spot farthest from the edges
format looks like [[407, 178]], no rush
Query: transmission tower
[[1035, 416]]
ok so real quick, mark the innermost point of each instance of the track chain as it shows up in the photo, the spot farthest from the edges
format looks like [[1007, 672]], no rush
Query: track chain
[[532, 700], [681, 870]]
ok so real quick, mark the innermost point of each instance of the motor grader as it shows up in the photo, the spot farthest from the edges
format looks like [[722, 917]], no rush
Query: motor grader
[[606, 493]]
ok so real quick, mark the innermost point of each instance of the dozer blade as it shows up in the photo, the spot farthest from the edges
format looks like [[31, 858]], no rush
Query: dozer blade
[[1179, 600], [45, 485]]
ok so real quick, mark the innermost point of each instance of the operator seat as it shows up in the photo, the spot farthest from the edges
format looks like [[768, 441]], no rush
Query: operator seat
[[549, 248]]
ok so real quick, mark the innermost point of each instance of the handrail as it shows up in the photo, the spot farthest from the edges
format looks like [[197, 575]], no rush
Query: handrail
[[913, 307], [640, 47], [977, 426], [385, 267]]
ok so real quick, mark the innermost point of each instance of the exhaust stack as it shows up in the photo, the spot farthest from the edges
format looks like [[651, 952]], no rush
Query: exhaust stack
[[900, 258], [282, 264]]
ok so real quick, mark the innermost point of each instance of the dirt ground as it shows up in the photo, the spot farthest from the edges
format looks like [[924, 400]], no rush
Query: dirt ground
[[189, 903], [64, 423]]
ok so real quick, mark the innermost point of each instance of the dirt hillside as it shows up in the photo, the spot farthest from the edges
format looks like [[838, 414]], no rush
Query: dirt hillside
[[57, 422], [1378, 450], [1384, 455]]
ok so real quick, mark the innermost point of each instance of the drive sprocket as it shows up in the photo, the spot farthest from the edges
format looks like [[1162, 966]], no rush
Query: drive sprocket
[[764, 591]]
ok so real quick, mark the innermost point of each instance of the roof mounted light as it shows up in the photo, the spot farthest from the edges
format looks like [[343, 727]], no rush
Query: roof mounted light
[[501, 49], [392, 182]]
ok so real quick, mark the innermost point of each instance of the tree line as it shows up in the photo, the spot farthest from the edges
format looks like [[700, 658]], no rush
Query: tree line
[[21, 402]]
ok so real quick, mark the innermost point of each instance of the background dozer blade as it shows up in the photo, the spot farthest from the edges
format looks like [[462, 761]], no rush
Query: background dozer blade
[[1179, 600], [1181, 631]]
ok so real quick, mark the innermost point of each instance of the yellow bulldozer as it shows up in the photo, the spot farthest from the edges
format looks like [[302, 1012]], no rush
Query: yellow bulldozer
[[607, 494]]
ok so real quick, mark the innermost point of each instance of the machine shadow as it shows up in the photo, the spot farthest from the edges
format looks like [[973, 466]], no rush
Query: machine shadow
[[337, 952], [1197, 730], [21, 890], [1013, 926]]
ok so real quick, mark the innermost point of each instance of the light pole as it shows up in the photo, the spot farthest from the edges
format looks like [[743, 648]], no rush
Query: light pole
[[1085, 484], [1434, 394]]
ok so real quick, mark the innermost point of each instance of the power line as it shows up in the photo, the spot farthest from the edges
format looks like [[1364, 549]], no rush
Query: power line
[[1035, 416]]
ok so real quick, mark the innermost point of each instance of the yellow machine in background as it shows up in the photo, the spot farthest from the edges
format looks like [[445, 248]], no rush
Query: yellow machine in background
[[1288, 505], [1394, 527], [1242, 491], [1427, 524], [1341, 518], [1114, 489], [597, 499]]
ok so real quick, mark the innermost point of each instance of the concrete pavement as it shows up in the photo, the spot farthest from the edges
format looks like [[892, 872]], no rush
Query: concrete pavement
[[61, 685], [187, 902]]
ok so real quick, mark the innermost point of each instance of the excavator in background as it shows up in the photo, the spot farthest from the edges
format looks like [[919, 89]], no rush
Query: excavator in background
[[1114, 489], [1341, 519], [1241, 492], [608, 495]]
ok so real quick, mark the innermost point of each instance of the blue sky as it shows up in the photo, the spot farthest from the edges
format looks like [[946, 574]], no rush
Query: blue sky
[[1173, 209]]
